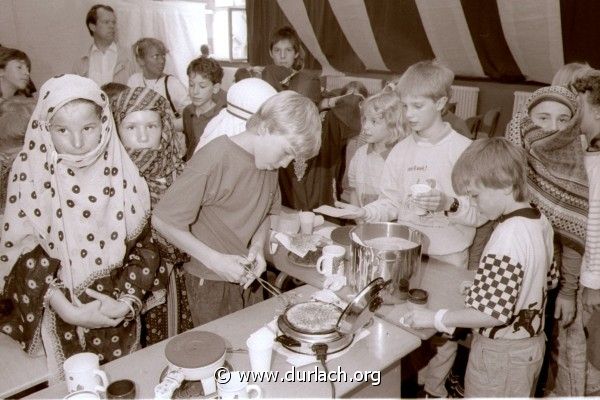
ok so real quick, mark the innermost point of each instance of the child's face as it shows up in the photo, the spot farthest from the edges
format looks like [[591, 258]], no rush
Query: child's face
[[76, 129], [550, 115], [590, 117], [275, 152], [421, 111], [375, 129], [153, 62], [16, 73], [489, 201], [201, 89], [141, 130], [283, 53]]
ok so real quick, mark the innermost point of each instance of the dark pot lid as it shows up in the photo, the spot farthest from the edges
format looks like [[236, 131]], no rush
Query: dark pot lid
[[360, 310], [195, 349]]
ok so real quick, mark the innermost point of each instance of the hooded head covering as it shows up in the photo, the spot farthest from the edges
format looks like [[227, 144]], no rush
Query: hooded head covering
[[558, 94], [557, 180], [81, 209], [244, 98], [161, 165]]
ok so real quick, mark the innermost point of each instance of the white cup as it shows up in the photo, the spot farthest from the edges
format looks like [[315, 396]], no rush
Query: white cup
[[307, 222], [288, 223], [260, 350], [416, 189], [83, 373], [332, 260], [237, 388]]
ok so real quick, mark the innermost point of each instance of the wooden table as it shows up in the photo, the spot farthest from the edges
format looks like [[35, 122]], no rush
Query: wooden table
[[380, 351]]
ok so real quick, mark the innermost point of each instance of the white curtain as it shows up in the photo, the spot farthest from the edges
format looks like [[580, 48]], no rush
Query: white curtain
[[54, 35]]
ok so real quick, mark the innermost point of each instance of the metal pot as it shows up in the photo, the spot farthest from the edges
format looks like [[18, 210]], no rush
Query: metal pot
[[356, 315], [369, 262]]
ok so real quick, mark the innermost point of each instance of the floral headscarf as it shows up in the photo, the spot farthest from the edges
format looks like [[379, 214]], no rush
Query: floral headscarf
[[80, 208], [159, 166]]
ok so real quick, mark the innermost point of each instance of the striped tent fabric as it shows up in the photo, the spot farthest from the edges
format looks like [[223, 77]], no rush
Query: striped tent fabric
[[502, 40]]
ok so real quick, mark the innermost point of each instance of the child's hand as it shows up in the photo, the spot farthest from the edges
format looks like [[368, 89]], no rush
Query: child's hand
[[256, 262], [90, 316], [86, 315], [591, 299], [565, 310], [433, 200], [421, 318], [110, 307], [230, 267], [351, 211]]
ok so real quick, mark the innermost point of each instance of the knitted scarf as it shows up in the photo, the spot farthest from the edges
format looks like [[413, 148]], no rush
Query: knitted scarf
[[557, 180]]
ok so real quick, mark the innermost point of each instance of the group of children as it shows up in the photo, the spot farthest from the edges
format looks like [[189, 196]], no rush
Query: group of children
[[101, 215]]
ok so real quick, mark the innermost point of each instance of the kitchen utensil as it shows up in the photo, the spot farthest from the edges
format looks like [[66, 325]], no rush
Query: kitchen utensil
[[192, 356], [298, 335], [369, 262]]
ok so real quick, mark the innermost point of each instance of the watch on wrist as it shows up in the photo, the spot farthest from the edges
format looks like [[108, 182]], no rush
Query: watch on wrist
[[453, 207]]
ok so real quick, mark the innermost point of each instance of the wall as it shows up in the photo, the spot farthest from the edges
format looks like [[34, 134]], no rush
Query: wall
[[54, 35], [494, 94]]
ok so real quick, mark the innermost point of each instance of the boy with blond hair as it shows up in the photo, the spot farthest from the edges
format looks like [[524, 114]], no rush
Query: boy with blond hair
[[218, 209], [427, 156], [505, 304]]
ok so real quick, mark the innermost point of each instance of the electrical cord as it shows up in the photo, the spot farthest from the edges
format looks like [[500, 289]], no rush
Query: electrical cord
[[320, 350]]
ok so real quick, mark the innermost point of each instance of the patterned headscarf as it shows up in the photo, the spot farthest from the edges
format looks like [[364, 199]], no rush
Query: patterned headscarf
[[80, 208], [159, 166], [556, 176]]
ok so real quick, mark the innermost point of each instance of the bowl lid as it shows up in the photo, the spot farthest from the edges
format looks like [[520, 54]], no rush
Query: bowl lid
[[361, 309], [341, 235], [195, 349]]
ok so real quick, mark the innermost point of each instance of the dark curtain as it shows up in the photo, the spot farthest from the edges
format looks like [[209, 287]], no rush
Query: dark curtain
[[580, 21], [494, 54], [264, 17]]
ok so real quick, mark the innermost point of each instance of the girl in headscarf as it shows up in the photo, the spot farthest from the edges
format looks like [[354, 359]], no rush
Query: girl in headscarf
[[558, 185], [76, 250], [146, 130]]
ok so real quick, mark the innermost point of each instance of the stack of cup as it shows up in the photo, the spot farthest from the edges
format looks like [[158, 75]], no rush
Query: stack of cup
[[260, 349]]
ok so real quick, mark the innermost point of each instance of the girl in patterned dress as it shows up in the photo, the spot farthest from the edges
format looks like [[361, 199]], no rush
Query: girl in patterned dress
[[146, 130], [77, 256]]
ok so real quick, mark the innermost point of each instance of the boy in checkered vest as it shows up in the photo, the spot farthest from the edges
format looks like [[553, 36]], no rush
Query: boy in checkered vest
[[505, 304]]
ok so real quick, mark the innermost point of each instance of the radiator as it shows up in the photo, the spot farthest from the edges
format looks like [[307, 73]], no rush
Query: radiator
[[520, 100], [373, 85], [465, 98]]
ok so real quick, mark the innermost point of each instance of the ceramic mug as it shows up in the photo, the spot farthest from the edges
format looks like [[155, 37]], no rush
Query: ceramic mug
[[83, 373], [237, 388], [82, 395], [332, 260]]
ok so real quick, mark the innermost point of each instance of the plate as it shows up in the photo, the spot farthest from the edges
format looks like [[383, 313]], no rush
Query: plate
[[341, 235], [334, 212]]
